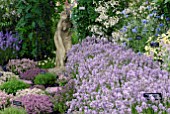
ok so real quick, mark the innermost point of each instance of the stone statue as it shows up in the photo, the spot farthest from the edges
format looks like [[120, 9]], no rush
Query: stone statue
[[62, 37]]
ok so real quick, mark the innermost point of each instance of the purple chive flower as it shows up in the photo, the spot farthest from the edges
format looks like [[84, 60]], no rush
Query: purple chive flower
[[168, 19], [150, 15], [158, 29], [134, 30], [126, 16], [130, 39], [148, 7], [144, 21], [161, 25], [124, 29], [158, 16]]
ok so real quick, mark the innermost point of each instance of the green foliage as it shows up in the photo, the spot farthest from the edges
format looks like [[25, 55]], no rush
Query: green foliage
[[34, 27], [75, 38], [60, 100], [45, 79], [83, 18], [47, 63], [163, 7], [9, 16], [13, 110], [62, 82], [13, 85]]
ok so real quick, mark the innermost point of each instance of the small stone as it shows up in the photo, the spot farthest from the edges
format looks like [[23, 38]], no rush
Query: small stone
[[53, 90], [39, 87], [1, 68], [27, 81]]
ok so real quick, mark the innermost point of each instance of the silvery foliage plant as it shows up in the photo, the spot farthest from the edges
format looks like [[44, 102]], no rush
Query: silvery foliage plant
[[110, 79]]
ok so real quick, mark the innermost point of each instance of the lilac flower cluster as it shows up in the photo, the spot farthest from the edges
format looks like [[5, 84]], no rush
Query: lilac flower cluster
[[36, 104], [18, 66], [111, 79], [7, 40], [5, 99], [31, 73]]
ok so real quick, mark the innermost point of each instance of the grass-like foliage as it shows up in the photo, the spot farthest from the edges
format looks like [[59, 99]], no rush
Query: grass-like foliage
[[13, 110], [12, 86]]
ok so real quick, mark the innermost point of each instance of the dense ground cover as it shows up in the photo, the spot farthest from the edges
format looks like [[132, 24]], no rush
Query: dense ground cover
[[125, 55]]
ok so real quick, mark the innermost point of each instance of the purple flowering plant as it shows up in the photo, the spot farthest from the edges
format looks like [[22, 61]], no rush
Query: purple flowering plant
[[112, 79], [19, 66], [36, 104], [5, 99], [9, 46], [32, 73]]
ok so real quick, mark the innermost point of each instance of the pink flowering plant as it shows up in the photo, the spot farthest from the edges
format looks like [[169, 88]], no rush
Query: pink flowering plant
[[112, 79], [19, 66], [32, 73], [5, 99], [36, 104]]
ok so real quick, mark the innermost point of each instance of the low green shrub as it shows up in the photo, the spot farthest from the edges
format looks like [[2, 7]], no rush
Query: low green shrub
[[45, 79], [13, 110], [12, 86]]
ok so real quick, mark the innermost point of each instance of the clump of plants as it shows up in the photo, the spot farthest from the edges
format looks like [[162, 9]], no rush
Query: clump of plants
[[6, 76], [159, 49], [9, 15], [45, 79], [61, 97], [5, 99], [31, 73], [110, 79], [35, 32], [9, 46], [13, 85], [19, 66], [145, 22], [13, 110], [48, 63], [36, 104], [33, 91]]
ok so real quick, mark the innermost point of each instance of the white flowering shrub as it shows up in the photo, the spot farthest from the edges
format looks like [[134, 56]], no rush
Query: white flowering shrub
[[6, 76], [34, 91], [110, 79], [105, 21], [99, 17]]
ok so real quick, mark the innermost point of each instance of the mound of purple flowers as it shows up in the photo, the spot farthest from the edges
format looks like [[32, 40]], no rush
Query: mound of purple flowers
[[19, 66], [9, 46], [31, 73], [111, 79], [36, 104], [7, 40]]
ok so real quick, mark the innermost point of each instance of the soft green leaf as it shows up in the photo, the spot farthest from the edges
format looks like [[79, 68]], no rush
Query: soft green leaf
[[30, 36], [166, 1]]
